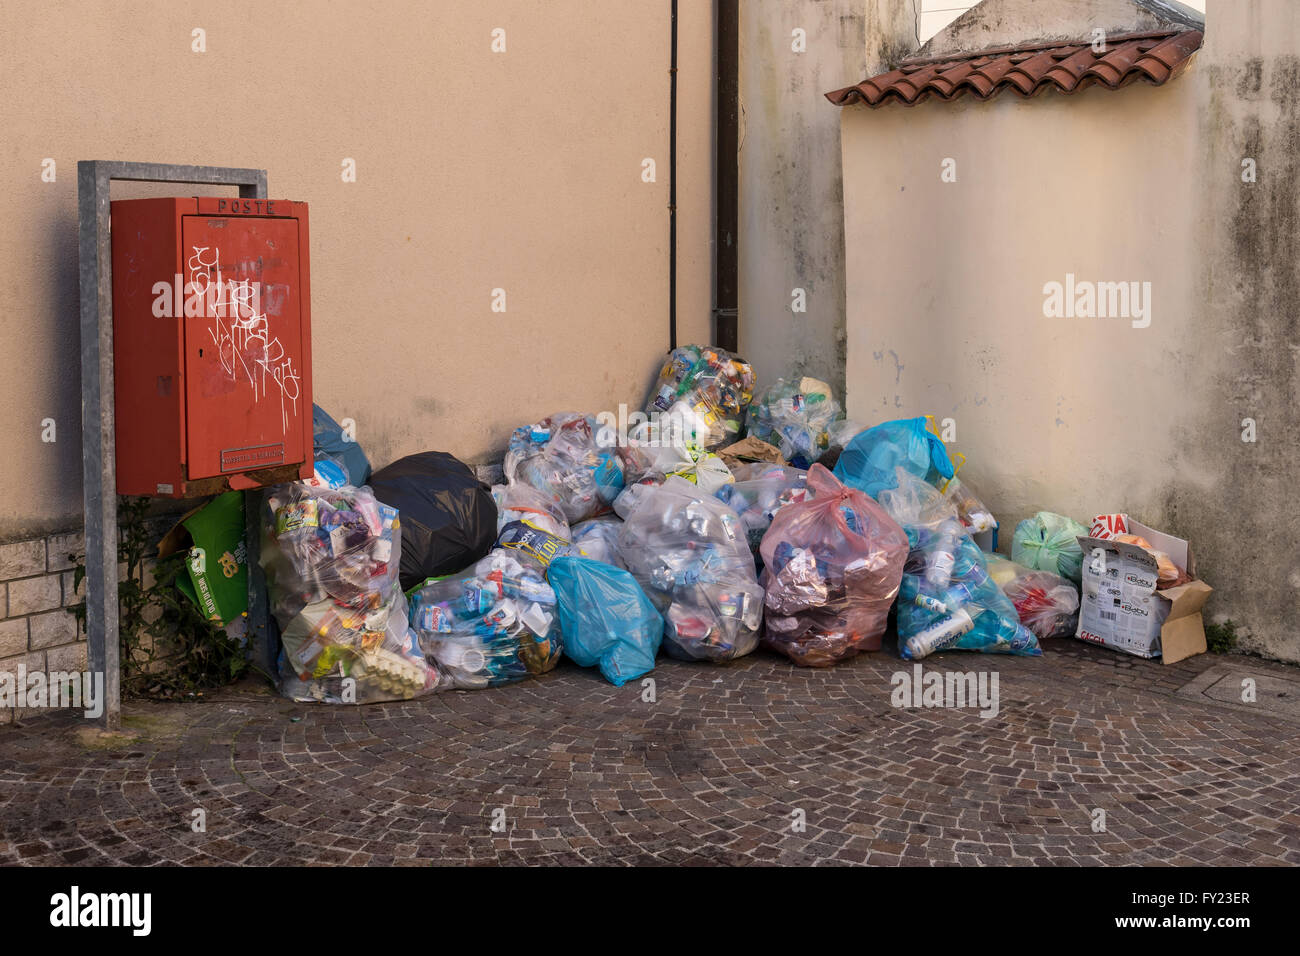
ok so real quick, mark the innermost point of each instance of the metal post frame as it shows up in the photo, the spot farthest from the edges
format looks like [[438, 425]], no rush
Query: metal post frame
[[97, 414]]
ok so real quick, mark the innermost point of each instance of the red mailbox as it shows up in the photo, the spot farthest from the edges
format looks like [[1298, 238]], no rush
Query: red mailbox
[[211, 344]]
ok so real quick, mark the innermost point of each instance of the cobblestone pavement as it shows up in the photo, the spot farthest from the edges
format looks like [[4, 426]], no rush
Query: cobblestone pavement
[[716, 770]]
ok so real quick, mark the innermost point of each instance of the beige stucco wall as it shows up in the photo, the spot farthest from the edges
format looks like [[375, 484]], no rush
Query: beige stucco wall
[[1081, 416], [475, 171]]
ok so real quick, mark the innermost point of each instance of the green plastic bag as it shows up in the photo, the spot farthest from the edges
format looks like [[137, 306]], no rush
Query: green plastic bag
[[218, 561], [1049, 542]]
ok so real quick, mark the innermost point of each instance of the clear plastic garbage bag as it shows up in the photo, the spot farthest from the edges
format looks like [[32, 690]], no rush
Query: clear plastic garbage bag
[[687, 550], [597, 538], [914, 502], [759, 492], [795, 416], [520, 502], [331, 558], [560, 457], [841, 432], [1046, 603], [493, 624], [833, 564], [707, 384], [974, 514], [660, 453]]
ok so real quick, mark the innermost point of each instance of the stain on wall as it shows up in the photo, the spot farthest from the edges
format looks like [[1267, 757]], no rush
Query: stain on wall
[[1248, 525]]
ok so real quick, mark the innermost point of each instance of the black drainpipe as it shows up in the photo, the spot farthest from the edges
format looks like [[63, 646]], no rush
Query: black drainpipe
[[726, 307], [672, 190]]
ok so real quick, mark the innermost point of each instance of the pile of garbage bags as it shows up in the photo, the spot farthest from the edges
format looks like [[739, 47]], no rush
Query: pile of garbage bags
[[688, 552], [725, 519], [833, 564], [331, 561]]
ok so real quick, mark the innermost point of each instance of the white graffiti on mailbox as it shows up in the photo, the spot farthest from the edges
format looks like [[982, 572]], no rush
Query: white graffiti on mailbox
[[239, 329]]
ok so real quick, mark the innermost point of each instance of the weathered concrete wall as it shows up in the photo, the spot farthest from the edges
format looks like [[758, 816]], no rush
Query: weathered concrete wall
[[1085, 415], [937, 14], [475, 170], [1000, 23], [791, 212], [1245, 275]]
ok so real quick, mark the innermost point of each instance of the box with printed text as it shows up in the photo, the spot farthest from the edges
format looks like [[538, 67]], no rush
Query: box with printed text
[[1121, 607]]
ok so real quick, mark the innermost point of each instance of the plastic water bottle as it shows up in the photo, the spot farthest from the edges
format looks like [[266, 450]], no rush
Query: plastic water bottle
[[527, 589], [998, 630], [939, 562], [930, 603], [958, 594], [942, 633]]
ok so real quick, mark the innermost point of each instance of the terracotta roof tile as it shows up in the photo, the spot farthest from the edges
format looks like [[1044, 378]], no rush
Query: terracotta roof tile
[[1067, 67]]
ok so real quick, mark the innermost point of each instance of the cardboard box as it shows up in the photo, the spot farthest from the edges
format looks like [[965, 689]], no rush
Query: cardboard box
[[1121, 608]]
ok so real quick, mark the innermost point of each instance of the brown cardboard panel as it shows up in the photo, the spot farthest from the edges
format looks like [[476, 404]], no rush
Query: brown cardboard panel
[[1186, 599], [750, 449], [179, 536], [1182, 638]]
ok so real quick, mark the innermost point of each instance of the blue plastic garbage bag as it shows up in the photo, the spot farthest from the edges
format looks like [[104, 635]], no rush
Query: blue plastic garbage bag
[[869, 459], [605, 618], [947, 601], [328, 442]]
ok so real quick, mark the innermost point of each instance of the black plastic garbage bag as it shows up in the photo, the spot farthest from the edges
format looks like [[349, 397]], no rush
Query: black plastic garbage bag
[[448, 517]]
